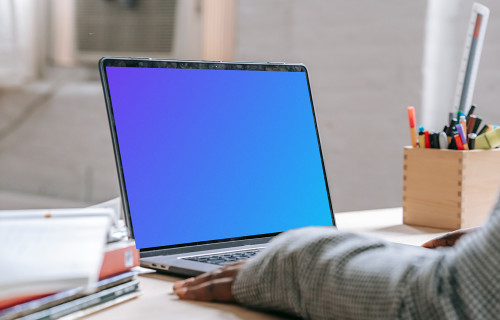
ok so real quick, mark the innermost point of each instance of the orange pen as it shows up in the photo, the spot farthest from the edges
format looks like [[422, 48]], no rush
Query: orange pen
[[413, 129]]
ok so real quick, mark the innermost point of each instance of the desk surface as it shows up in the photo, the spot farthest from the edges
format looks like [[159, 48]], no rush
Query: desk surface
[[157, 300]]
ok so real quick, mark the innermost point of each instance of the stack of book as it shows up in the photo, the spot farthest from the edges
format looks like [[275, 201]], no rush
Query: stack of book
[[54, 294]]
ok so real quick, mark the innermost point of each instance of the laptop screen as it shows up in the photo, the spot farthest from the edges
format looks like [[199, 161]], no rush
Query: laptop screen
[[209, 154]]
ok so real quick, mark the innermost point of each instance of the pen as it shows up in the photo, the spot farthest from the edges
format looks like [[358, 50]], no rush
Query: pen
[[432, 139], [471, 122], [471, 111], [421, 137], [443, 141], [463, 137], [458, 142], [472, 141], [476, 125], [435, 140], [464, 126], [413, 131], [460, 114], [427, 139], [451, 127], [483, 130], [452, 145]]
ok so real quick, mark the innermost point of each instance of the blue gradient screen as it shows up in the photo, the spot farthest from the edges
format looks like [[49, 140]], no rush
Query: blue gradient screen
[[217, 154]]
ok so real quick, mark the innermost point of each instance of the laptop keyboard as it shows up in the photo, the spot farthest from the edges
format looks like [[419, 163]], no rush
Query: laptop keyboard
[[224, 258]]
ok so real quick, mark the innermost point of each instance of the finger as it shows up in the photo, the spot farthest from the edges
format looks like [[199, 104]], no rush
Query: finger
[[229, 270], [434, 243], [448, 240], [181, 283], [214, 290]]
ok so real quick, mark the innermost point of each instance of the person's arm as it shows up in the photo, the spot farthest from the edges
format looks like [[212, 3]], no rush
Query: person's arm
[[321, 273]]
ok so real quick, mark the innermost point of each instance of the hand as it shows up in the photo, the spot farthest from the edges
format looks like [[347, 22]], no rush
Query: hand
[[449, 239], [215, 285]]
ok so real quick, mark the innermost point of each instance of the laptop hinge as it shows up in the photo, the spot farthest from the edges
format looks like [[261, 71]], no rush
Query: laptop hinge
[[202, 247]]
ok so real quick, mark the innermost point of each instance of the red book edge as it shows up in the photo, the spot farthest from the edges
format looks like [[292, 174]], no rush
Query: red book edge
[[119, 257]]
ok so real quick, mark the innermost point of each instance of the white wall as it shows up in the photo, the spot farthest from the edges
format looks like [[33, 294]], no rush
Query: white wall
[[365, 63], [447, 27], [364, 59], [446, 31]]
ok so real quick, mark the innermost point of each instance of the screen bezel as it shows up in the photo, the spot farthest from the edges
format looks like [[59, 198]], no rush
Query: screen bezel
[[189, 64]]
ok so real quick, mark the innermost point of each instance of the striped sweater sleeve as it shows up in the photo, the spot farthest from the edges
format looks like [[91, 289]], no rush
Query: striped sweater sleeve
[[323, 273]]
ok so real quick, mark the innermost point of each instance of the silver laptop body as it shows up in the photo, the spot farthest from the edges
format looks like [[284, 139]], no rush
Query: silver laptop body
[[214, 158]]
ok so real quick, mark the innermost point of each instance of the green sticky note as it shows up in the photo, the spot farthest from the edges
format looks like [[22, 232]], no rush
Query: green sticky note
[[488, 140]]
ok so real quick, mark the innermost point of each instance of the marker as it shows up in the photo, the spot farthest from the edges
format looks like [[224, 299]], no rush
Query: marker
[[483, 130], [421, 140], [471, 123], [433, 140], [413, 131], [451, 127], [463, 122], [443, 141], [427, 139], [452, 145], [435, 137], [488, 140], [463, 137], [472, 141], [458, 142], [471, 111], [476, 125]]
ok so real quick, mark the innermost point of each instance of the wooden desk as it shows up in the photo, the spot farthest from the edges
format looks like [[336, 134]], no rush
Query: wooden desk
[[157, 302]]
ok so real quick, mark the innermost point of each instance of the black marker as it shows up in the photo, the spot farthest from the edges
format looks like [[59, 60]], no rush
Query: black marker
[[451, 128], [472, 141], [471, 111], [483, 130], [476, 125], [434, 140]]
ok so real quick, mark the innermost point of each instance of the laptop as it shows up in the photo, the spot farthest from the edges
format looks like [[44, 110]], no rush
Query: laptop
[[214, 158]]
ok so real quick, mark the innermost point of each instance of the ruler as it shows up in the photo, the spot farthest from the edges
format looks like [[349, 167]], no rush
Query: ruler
[[470, 61]]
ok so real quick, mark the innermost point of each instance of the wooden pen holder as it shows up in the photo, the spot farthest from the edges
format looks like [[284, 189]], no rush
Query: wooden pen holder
[[449, 189]]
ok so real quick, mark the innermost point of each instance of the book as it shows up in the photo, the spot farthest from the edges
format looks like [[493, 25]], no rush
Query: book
[[55, 299], [87, 301], [46, 251], [119, 257], [105, 305]]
